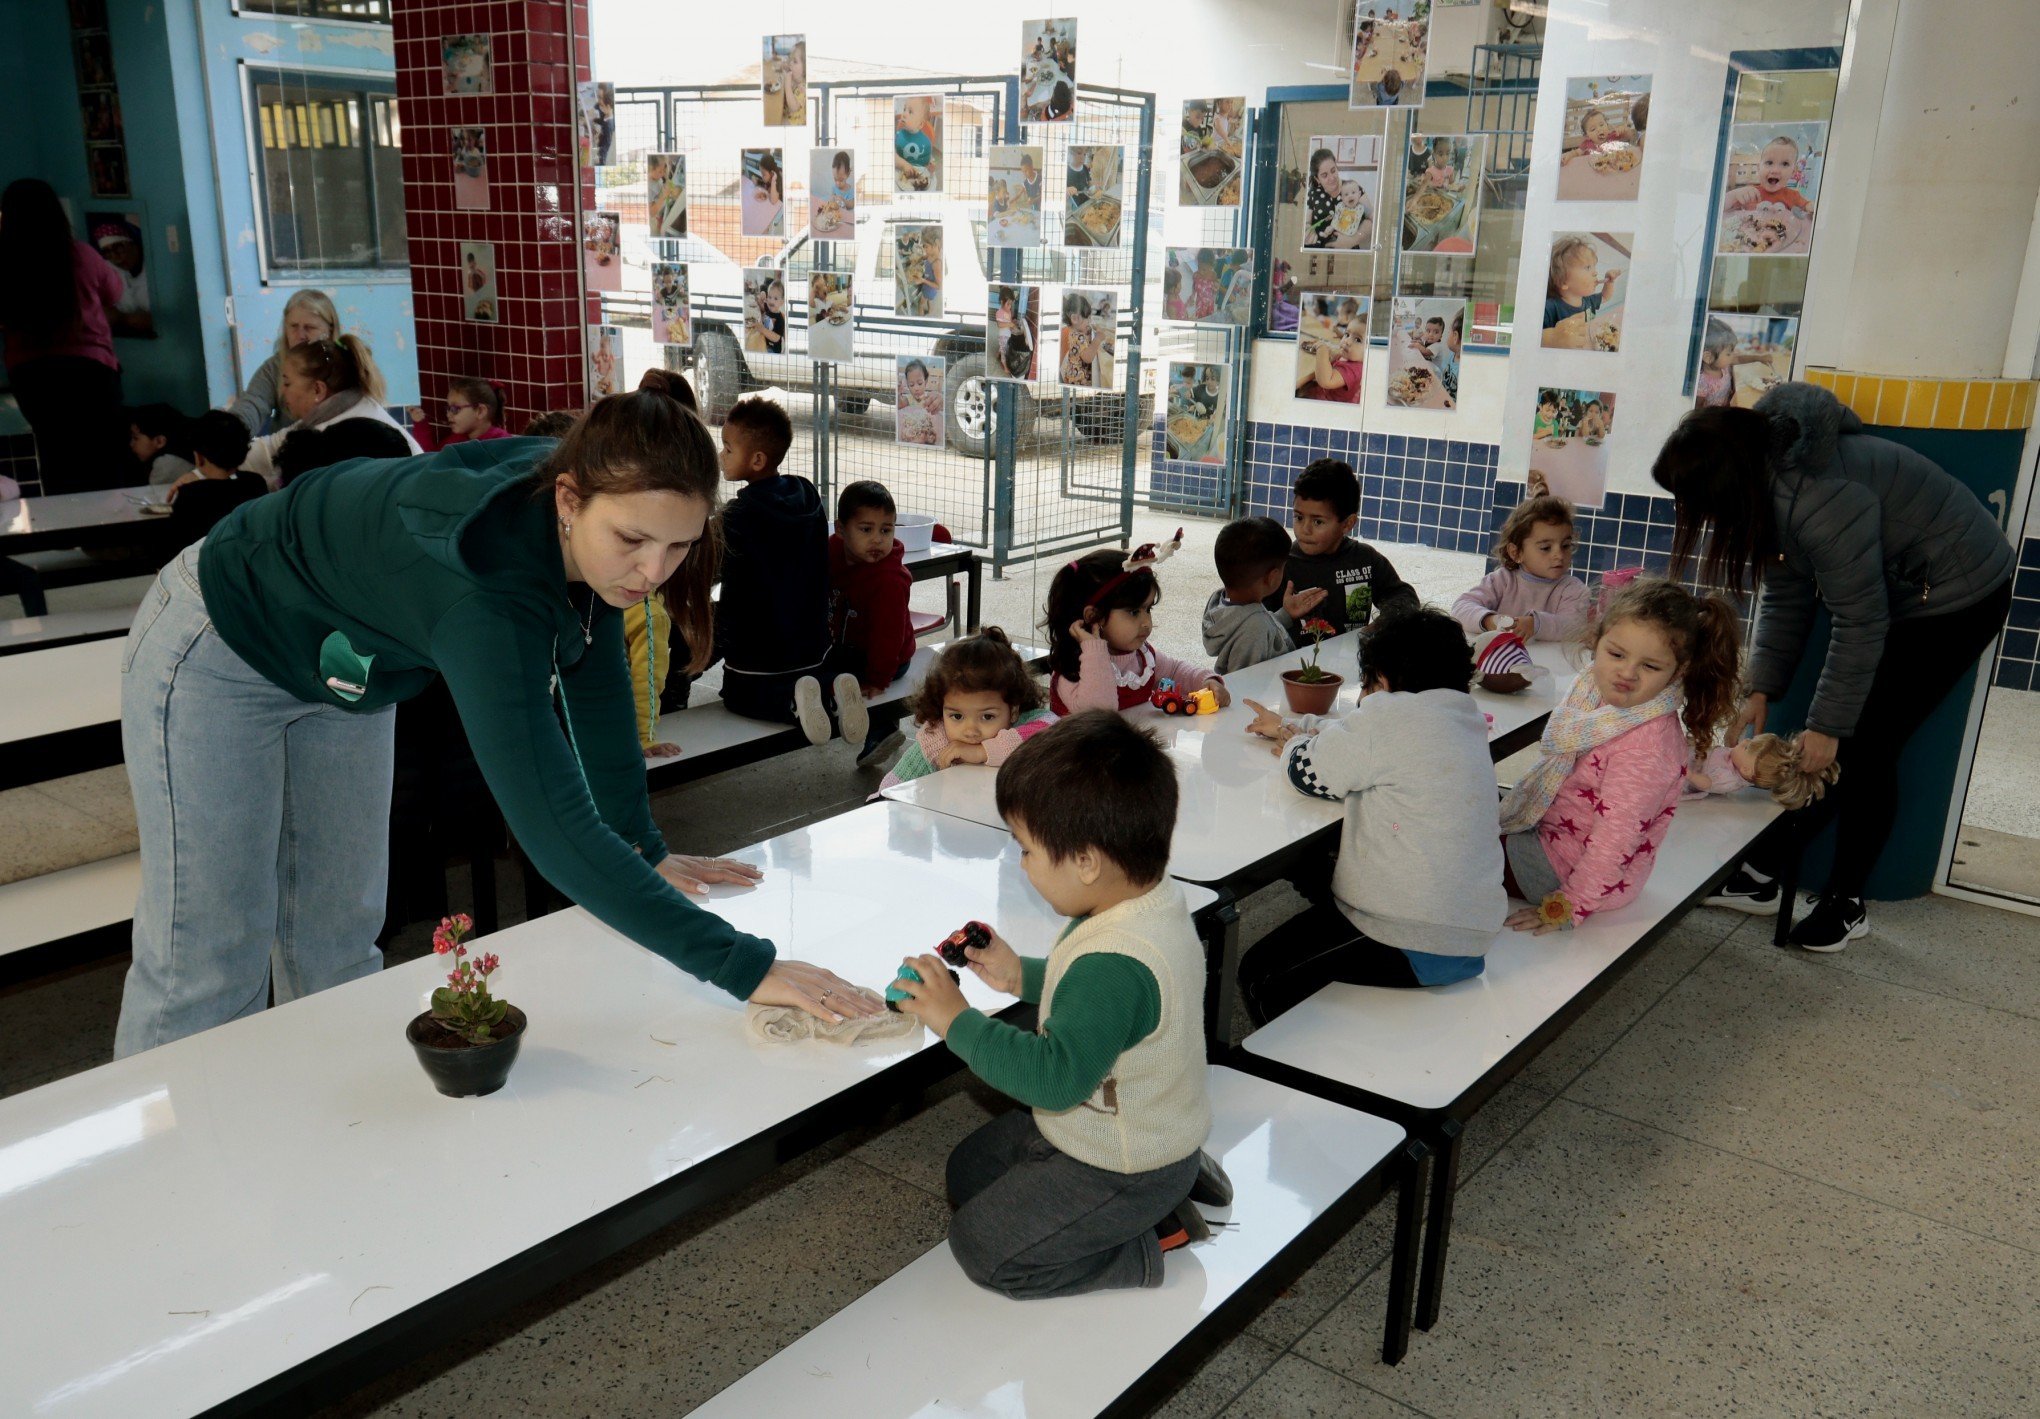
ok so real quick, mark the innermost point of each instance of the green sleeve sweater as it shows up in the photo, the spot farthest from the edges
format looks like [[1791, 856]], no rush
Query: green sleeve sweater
[[381, 574], [1105, 1005]]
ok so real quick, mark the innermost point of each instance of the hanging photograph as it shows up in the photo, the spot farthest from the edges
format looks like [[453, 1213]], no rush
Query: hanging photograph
[[470, 170], [1283, 312], [1742, 357], [1441, 194], [917, 268], [1389, 42], [464, 64], [765, 311], [117, 236], [100, 111], [1425, 335], [1585, 289], [1012, 332], [1095, 185], [1198, 412], [1015, 196], [671, 322], [1213, 284], [1605, 117], [666, 194], [597, 105], [832, 194], [1210, 151], [917, 144], [763, 190], [1773, 184], [784, 76], [1090, 337], [107, 169], [605, 361], [1331, 345], [832, 317], [1342, 193], [1569, 443], [920, 415], [478, 282], [600, 251], [1048, 71]]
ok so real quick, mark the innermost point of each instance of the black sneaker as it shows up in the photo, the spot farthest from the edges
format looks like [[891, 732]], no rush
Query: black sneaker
[[1832, 924], [1747, 892], [1212, 1188]]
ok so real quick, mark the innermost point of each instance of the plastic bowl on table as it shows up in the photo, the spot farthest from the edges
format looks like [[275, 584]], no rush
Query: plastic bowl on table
[[915, 531]]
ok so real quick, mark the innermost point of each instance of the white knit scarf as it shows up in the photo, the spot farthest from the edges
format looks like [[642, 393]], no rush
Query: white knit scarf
[[1580, 724]]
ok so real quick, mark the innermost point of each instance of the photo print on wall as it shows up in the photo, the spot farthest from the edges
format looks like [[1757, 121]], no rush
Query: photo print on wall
[[783, 80], [1390, 41], [1585, 290], [1441, 194], [917, 268], [920, 414], [605, 360], [478, 299], [1095, 195], [832, 317], [470, 169], [1569, 443], [1198, 412], [602, 252], [1090, 337], [763, 192], [1741, 357], [1212, 284], [1605, 119], [1771, 188], [596, 103], [464, 64], [1331, 345], [1048, 71], [1210, 152], [1341, 194], [1014, 200], [765, 311], [118, 236], [1425, 337], [666, 194], [832, 194], [672, 324], [1012, 332], [917, 143]]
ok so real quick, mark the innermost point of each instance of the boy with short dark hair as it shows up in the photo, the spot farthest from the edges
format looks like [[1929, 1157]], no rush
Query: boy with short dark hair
[[772, 621], [1087, 1188], [870, 631], [219, 442], [1358, 580], [1251, 554]]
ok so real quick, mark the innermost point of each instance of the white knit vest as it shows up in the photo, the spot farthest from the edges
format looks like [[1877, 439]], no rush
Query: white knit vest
[[1152, 1109]]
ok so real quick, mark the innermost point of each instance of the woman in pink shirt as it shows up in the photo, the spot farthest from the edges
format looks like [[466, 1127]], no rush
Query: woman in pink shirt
[[56, 295]]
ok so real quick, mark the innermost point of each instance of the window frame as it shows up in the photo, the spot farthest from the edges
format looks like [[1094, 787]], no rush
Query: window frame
[[244, 10], [370, 83]]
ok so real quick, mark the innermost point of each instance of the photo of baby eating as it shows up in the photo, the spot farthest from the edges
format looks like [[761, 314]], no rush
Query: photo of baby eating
[[1771, 188]]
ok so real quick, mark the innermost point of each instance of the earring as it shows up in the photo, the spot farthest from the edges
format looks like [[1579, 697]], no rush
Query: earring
[[566, 526]]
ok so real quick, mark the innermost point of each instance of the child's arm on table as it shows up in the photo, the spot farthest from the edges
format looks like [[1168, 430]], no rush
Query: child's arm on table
[[1474, 606], [1000, 746], [1333, 762]]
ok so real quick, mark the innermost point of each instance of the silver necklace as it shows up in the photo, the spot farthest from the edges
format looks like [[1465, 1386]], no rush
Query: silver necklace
[[587, 619]]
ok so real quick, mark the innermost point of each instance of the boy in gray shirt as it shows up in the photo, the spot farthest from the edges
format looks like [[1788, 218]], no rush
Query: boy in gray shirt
[[1238, 629]]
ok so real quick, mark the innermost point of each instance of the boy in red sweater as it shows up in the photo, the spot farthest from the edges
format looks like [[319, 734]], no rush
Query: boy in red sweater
[[868, 585]]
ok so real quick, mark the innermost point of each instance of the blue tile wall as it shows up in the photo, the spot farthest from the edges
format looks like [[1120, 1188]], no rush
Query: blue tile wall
[[17, 460], [2018, 665]]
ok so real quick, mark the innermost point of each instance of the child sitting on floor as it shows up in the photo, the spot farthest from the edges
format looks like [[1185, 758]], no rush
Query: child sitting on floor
[[976, 705], [1100, 614], [772, 626], [1766, 762], [1533, 592], [869, 628], [1238, 630], [1415, 895], [474, 411], [1359, 580], [1581, 831], [160, 438], [200, 499], [1087, 1187]]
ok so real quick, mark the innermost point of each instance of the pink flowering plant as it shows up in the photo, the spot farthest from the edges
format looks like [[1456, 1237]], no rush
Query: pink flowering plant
[[1317, 628], [464, 1004]]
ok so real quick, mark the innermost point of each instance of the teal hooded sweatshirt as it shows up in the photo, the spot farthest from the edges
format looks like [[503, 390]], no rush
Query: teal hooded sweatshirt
[[360, 582]]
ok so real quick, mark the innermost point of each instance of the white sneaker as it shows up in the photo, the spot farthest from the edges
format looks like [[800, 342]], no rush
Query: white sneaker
[[851, 712], [809, 710]]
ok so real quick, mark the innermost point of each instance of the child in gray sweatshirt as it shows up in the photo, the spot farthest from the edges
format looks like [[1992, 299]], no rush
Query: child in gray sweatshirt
[[1238, 630], [1415, 896]]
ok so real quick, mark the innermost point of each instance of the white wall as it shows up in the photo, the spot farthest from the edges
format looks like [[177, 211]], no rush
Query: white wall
[[1684, 46]]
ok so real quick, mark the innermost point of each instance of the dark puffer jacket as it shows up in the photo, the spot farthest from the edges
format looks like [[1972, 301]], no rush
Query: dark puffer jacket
[[1877, 532]]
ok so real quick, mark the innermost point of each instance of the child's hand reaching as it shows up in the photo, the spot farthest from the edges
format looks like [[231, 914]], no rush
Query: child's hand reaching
[[1298, 604], [415, 414], [1271, 726], [934, 999], [997, 965], [1219, 692], [950, 754]]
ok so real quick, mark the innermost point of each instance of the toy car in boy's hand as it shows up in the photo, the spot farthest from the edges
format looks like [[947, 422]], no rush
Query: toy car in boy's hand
[[894, 995], [974, 934], [1170, 700]]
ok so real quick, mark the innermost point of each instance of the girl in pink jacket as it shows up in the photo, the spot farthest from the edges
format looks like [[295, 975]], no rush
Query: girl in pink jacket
[[1581, 832], [1100, 614], [1533, 592]]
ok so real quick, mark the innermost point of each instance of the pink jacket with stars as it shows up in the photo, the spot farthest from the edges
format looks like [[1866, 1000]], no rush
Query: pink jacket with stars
[[1603, 831]]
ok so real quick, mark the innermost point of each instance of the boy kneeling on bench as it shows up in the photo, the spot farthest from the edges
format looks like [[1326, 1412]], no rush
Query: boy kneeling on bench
[[1086, 1191]]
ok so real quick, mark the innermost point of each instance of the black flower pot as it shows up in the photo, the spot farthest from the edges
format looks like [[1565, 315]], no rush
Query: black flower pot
[[460, 1068]]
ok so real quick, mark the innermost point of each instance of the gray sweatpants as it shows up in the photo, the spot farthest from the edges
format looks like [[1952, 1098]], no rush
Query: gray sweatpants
[[1032, 1221]]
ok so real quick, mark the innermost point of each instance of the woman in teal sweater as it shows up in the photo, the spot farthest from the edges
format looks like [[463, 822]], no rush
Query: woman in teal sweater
[[256, 703]]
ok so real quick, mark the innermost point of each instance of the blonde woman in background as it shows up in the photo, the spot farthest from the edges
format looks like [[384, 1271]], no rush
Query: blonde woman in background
[[308, 315]]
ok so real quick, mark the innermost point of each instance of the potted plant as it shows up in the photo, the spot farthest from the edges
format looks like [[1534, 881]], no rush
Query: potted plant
[[468, 1040], [1312, 689]]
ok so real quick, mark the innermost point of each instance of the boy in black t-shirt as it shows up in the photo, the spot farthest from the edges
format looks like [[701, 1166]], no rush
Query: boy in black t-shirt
[[219, 443], [1357, 580]]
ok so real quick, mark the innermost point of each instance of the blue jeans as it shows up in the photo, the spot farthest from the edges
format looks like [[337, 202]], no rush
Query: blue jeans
[[264, 825]]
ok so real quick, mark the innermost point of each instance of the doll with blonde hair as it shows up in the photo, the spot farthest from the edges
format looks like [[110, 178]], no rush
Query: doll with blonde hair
[[1768, 761]]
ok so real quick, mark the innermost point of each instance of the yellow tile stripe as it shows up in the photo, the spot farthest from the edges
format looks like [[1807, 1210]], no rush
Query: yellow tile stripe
[[1896, 402]]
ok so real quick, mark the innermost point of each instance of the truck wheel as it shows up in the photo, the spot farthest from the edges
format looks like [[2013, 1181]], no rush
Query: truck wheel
[[720, 370], [971, 421]]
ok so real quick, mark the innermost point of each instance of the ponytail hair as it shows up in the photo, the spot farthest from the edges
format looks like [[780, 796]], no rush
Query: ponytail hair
[[340, 364], [1706, 635], [1777, 769]]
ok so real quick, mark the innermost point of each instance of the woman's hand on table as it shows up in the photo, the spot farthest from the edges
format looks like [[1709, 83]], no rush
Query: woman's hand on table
[[997, 965], [1816, 750], [934, 999], [693, 874], [823, 994]]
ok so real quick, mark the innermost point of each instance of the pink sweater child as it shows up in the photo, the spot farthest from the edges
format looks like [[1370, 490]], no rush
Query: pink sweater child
[[1561, 606], [931, 739], [1108, 681], [1603, 830]]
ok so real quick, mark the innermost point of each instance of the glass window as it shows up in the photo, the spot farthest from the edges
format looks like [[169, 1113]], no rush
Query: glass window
[[329, 184], [368, 12]]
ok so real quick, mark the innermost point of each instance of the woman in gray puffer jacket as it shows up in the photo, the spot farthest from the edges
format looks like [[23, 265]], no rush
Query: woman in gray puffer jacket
[[1794, 498]]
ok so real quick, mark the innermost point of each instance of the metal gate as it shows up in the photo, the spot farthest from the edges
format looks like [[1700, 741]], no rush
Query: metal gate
[[1027, 470]]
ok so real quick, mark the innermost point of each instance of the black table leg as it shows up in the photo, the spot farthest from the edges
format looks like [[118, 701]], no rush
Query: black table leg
[[1438, 1229], [977, 587], [1220, 926], [1395, 1339], [1788, 890], [482, 872]]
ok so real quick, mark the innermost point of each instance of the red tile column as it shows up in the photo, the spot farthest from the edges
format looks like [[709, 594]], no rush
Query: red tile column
[[534, 348]]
